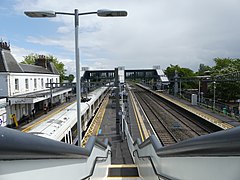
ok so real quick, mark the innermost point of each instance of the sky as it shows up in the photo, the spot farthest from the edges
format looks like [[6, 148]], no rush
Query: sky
[[155, 32]]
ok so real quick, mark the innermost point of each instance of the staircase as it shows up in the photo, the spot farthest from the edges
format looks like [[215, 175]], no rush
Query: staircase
[[123, 171]]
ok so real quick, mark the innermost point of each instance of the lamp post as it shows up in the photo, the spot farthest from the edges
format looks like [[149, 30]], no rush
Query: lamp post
[[199, 92], [101, 13], [180, 87], [214, 95]]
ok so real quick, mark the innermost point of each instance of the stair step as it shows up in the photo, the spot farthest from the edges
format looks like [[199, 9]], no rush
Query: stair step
[[123, 178], [123, 170]]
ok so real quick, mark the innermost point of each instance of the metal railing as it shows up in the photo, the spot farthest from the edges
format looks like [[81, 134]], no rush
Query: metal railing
[[221, 150], [28, 152]]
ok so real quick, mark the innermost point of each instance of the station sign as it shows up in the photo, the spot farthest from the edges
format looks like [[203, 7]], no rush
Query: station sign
[[20, 100]]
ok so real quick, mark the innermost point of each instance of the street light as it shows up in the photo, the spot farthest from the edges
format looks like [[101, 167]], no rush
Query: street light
[[214, 95], [101, 13], [199, 92]]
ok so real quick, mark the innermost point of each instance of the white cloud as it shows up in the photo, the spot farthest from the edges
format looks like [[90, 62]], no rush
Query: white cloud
[[19, 53], [61, 42], [156, 32], [69, 65], [64, 29]]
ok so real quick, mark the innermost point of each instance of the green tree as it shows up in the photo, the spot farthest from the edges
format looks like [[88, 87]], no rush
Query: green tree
[[31, 58], [71, 77], [203, 70], [182, 73], [227, 90], [226, 65]]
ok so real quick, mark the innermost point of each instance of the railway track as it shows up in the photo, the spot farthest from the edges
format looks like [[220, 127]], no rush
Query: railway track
[[196, 127], [162, 131], [170, 125]]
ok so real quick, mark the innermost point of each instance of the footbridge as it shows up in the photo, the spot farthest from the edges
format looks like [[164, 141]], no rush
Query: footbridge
[[155, 76], [25, 156], [121, 144]]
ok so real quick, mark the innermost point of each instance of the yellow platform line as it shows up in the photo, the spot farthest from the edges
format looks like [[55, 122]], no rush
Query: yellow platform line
[[125, 177], [141, 126], [122, 165], [96, 122], [101, 116], [46, 118]]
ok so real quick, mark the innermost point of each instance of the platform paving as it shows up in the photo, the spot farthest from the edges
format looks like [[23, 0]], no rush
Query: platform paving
[[41, 116], [221, 117], [120, 151], [131, 120]]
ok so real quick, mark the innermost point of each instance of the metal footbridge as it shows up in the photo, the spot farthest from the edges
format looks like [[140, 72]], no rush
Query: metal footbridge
[[25, 156], [127, 152]]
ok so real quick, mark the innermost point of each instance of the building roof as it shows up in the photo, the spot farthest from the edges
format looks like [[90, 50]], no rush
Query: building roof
[[42, 93], [9, 64], [52, 68], [28, 68]]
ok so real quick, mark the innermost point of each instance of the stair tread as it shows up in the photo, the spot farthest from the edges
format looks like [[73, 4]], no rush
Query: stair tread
[[121, 165], [123, 178], [123, 170]]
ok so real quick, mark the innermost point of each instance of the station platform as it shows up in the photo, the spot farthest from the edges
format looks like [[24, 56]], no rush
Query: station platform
[[220, 120], [41, 117], [206, 114], [108, 129]]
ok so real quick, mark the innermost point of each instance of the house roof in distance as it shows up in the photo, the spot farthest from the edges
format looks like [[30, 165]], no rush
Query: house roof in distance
[[29, 68], [9, 64]]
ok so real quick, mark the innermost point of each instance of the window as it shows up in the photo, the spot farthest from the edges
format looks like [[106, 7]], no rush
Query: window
[[56, 82], [47, 82], [16, 84], [35, 83], [26, 84], [51, 81], [42, 83]]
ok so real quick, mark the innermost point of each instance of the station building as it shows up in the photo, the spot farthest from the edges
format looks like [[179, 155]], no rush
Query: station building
[[28, 88]]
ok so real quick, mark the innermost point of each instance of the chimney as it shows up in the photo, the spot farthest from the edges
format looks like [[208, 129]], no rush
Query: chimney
[[5, 45], [41, 61]]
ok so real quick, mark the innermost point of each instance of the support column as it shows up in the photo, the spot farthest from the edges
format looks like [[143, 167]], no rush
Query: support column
[[9, 113], [116, 84], [176, 83]]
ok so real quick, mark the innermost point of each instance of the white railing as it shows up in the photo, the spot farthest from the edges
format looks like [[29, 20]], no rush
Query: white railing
[[25, 156], [213, 156]]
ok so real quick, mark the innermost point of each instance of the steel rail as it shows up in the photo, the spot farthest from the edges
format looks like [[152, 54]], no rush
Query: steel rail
[[174, 113], [164, 127]]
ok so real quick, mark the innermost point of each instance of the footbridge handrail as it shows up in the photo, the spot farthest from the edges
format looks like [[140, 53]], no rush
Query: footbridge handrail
[[215, 149], [31, 155], [16, 145], [160, 176], [93, 140], [98, 158], [222, 143], [103, 145]]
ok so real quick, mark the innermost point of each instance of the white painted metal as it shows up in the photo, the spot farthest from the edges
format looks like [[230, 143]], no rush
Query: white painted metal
[[123, 178], [121, 74], [194, 99], [58, 125], [162, 76], [56, 169], [188, 168]]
